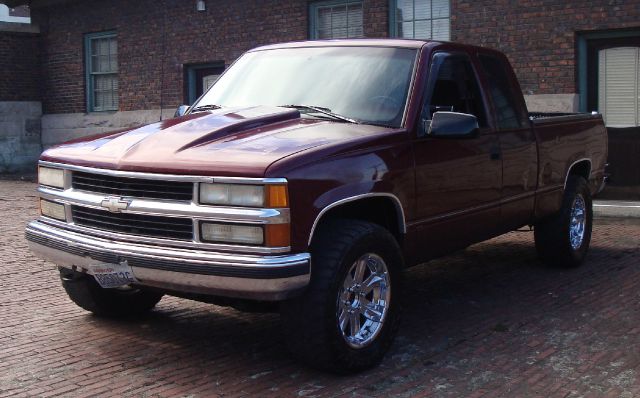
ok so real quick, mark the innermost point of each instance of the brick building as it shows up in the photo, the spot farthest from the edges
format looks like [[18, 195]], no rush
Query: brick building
[[97, 65]]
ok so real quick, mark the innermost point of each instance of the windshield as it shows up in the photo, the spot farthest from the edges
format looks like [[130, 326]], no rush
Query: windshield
[[367, 84]]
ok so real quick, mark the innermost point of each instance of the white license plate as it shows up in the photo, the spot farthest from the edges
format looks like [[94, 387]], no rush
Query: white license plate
[[113, 275]]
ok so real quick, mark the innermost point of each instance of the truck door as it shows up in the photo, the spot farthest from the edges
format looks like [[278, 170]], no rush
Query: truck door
[[458, 180], [517, 142]]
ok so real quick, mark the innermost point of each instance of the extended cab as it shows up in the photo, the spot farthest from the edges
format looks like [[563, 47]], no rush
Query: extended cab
[[307, 177]]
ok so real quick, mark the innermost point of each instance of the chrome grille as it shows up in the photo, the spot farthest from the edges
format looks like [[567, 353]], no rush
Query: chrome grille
[[135, 224], [135, 187]]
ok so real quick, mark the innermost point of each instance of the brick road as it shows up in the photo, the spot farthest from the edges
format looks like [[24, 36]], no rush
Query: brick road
[[489, 321]]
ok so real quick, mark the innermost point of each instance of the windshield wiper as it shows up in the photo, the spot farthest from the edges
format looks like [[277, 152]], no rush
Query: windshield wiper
[[324, 111], [210, 107]]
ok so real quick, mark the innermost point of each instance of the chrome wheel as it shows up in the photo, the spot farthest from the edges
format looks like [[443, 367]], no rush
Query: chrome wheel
[[363, 300], [577, 222]]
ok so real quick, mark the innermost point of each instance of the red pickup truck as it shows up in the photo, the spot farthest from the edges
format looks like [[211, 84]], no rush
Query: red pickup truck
[[307, 178]]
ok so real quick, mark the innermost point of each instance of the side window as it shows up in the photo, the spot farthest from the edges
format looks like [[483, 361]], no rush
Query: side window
[[501, 92], [454, 89]]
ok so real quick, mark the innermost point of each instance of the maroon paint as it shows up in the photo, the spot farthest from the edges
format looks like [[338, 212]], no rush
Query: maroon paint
[[452, 192]]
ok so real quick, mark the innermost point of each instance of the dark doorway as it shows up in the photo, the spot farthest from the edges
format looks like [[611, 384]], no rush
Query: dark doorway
[[596, 94], [199, 78]]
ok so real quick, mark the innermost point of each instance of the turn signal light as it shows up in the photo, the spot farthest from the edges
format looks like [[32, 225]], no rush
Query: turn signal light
[[276, 196], [277, 235]]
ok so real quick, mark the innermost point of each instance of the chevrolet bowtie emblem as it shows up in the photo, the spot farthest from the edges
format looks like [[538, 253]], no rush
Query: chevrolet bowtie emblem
[[115, 204]]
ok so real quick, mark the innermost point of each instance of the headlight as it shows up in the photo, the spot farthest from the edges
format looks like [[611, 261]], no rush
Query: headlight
[[52, 209], [244, 195], [232, 233], [51, 177]]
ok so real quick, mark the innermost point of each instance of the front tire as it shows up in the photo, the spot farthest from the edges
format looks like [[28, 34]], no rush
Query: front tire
[[83, 290], [347, 318], [563, 239]]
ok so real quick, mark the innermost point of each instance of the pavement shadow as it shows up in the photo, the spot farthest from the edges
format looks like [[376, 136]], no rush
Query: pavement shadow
[[494, 287]]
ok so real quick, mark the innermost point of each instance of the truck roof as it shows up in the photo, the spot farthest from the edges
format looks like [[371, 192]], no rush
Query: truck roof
[[380, 42], [402, 43]]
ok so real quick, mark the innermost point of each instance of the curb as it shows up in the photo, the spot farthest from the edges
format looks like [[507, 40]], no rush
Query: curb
[[615, 209]]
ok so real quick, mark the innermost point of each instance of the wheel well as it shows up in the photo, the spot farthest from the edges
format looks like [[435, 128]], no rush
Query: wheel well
[[581, 168], [378, 210]]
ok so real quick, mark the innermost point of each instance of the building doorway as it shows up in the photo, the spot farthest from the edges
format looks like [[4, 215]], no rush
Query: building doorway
[[199, 78], [609, 81]]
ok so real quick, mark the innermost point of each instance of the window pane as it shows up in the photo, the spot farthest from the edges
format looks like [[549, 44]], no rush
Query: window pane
[[504, 99], [339, 17], [323, 22], [423, 29], [405, 29], [456, 89], [354, 20], [423, 9], [440, 9], [404, 11], [365, 83], [324, 34], [440, 29]]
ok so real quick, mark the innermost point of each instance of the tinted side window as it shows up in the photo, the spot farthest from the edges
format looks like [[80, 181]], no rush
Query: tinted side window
[[504, 100], [455, 88]]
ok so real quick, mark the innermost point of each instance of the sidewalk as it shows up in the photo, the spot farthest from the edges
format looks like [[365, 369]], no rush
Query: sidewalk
[[615, 208], [617, 202]]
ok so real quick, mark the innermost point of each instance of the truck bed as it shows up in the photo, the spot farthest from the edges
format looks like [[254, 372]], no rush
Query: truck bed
[[552, 117]]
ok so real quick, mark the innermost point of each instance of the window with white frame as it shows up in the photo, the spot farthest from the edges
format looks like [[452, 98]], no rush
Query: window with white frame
[[421, 19], [336, 19], [101, 50]]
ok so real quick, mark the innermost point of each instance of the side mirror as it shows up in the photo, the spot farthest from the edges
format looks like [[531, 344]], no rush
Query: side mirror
[[182, 109], [453, 125]]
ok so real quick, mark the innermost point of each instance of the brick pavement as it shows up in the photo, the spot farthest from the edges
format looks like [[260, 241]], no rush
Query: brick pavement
[[489, 321]]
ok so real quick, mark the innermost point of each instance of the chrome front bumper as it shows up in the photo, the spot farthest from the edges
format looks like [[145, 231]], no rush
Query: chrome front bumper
[[263, 277]]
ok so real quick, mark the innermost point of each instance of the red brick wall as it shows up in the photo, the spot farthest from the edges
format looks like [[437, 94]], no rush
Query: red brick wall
[[19, 72], [539, 36], [149, 31]]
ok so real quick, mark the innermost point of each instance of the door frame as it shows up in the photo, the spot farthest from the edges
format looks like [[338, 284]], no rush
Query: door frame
[[190, 78], [584, 39]]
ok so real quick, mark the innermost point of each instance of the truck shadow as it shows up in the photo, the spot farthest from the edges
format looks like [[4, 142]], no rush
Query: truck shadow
[[493, 288]]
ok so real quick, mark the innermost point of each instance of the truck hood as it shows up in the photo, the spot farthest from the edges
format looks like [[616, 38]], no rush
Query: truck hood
[[225, 142]]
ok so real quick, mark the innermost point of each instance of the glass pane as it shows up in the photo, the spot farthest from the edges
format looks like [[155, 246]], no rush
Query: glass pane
[[105, 92], [113, 47], [339, 17], [440, 9], [501, 93], [354, 20], [422, 29], [94, 47], [423, 9], [323, 22], [366, 83], [404, 10], [405, 29], [441, 29], [324, 34]]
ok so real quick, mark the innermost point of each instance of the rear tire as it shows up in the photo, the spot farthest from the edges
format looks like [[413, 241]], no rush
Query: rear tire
[[86, 293], [348, 316], [563, 239]]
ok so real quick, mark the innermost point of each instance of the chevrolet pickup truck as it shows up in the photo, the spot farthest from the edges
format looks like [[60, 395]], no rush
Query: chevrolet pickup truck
[[307, 178]]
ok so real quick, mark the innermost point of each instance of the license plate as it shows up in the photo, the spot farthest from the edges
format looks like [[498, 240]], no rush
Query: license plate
[[113, 275]]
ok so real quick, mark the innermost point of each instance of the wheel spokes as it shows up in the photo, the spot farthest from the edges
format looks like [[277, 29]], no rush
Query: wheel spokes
[[354, 323], [361, 267]]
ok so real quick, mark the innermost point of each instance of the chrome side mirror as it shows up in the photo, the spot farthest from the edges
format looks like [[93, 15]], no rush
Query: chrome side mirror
[[453, 125], [181, 111]]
